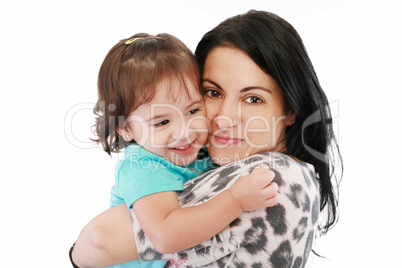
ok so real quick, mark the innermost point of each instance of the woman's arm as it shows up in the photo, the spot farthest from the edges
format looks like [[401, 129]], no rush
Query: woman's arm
[[172, 228], [106, 240]]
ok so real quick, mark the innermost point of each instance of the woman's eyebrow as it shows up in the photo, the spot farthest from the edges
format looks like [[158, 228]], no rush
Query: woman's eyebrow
[[212, 82], [256, 87], [242, 90]]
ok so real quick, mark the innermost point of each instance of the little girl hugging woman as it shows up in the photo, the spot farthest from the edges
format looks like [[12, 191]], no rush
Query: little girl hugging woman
[[150, 103]]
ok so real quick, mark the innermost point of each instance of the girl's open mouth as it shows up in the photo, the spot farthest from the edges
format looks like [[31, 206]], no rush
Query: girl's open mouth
[[182, 150]]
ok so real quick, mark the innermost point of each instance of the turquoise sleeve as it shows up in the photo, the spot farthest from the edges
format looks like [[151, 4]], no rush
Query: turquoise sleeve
[[145, 177]]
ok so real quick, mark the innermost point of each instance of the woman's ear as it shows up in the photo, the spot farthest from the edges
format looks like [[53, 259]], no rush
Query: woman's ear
[[125, 133], [290, 117]]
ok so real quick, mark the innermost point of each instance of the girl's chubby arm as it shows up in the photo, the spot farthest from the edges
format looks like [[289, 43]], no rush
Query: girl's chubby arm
[[106, 240], [173, 229]]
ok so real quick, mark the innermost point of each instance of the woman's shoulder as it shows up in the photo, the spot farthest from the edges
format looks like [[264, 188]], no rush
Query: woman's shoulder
[[289, 226], [277, 159], [290, 173], [274, 160]]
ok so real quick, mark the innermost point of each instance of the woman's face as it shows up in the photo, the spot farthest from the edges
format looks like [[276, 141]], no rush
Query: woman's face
[[244, 105]]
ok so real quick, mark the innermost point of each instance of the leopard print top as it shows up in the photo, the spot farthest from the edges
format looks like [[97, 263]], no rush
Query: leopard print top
[[278, 236]]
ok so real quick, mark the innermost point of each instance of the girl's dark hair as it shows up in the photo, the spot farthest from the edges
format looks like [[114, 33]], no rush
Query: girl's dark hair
[[275, 46], [129, 77]]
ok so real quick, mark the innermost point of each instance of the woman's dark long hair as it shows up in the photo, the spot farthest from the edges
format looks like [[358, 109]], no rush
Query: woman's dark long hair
[[275, 46]]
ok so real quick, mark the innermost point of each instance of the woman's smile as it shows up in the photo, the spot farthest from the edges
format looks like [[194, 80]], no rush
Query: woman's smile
[[226, 140]]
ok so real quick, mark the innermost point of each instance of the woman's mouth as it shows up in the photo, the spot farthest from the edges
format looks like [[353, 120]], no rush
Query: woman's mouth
[[222, 140], [182, 150]]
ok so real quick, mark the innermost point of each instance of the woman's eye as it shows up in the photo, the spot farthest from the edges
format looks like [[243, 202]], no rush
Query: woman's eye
[[162, 123], [212, 93], [254, 100], [193, 111]]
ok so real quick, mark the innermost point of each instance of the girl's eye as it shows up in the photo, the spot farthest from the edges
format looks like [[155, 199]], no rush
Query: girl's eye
[[212, 93], [193, 111], [254, 100], [162, 123]]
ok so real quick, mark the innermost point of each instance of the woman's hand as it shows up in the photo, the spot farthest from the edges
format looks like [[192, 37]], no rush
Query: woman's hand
[[256, 191]]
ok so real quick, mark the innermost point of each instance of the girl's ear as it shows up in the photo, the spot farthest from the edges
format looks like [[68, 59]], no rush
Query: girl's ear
[[125, 133]]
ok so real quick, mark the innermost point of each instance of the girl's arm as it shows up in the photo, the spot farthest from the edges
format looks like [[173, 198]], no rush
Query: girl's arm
[[172, 228], [106, 240], [109, 240]]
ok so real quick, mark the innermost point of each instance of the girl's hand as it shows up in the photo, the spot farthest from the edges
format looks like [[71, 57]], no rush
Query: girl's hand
[[256, 191]]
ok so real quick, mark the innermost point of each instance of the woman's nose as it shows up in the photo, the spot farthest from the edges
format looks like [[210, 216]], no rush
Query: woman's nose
[[228, 115]]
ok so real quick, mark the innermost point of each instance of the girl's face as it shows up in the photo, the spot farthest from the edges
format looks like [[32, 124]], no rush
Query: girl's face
[[245, 107], [172, 125]]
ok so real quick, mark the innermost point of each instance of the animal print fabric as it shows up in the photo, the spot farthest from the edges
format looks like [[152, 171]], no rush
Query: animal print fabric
[[278, 236]]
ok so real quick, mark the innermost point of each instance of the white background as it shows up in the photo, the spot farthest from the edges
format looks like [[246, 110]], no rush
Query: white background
[[51, 186]]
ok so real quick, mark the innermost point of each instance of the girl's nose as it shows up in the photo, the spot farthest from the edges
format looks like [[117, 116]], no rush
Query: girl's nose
[[179, 131], [197, 125], [183, 131]]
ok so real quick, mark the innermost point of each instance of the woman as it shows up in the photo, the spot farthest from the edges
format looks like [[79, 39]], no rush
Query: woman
[[262, 95]]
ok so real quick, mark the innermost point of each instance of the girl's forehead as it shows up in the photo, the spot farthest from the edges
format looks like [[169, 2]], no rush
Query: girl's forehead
[[170, 96], [176, 90], [169, 102]]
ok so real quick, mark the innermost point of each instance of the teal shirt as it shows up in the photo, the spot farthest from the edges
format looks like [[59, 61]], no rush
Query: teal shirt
[[141, 173]]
